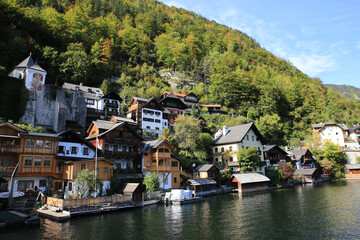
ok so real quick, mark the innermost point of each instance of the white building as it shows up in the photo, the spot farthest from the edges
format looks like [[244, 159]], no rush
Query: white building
[[96, 100], [335, 133], [149, 115], [354, 134], [233, 139], [31, 72]]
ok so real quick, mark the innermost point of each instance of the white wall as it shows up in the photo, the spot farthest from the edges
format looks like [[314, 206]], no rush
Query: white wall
[[157, 122], [79, 154], [35, 179], [333, 134]]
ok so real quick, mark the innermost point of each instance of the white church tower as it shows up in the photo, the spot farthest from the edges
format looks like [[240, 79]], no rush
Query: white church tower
[[31, 72]]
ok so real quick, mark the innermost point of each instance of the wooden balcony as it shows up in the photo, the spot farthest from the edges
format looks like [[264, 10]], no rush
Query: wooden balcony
[[162, 155], [6, 171], [4, 148], [111, 105]]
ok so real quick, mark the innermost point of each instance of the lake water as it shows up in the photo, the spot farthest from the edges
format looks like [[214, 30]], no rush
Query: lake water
[[328, 211]]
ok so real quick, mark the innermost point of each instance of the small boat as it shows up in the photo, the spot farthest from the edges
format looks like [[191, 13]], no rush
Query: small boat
[[15, 194]]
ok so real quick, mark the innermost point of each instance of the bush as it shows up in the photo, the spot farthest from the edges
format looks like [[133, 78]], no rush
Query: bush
[[151, 182]]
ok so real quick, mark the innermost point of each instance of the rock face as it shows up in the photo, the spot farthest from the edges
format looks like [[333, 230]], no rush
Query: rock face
[[42, 110]]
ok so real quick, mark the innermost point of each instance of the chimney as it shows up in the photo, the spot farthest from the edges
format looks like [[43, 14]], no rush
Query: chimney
[[225, 130]]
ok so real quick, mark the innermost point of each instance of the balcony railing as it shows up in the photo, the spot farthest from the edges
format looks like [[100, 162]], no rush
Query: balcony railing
[[111, 105], [5, 148], [9, 169], [162, 155]]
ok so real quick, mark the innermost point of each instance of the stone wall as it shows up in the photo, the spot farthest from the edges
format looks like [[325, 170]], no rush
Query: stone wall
[[45, 111]]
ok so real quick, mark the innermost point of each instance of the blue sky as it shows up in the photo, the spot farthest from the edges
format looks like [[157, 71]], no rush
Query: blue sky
[[321, 38]]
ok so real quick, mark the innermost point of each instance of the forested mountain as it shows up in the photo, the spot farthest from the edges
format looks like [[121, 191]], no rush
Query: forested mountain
[[128, 42], [346, 90]]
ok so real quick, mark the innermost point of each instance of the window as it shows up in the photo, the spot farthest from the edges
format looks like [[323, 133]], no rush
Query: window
[[39, 143], [6, 162], [29, 142], [86, 151], [24, 185], [37, 162], [48, 144], [83, 166], [216, 150], [175, 180], [174, 164], [166, 163], [148, 163], [222, 149], [161, 162], [73, 150], [247, 137], [28, 162], [157, 128], [70, 186], [166, 150], [147, 127], [42, 183], [58, 167], [230, 148], [46, 162], [157, 121], [61, 149], [106, 170], [90, 101], [252, 138]]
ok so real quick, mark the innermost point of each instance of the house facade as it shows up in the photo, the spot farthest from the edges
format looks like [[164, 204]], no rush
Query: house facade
[[119, 143], [34, 152], [302, 158], [354, 134], [189, 99], [232, 139], [149, 115], [158, 158], [174, 107]]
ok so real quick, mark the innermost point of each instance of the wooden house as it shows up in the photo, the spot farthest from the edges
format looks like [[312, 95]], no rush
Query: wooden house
[[77, 154], [158, 158], [134, 190], [118, 142], [352, 171], [34, 152], [202, 186], [208, 171], [302, 158], [212, 108], [173, 106], [307, 175], [250, 182]]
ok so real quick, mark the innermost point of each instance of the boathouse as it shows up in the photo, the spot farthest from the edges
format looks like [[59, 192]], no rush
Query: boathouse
[[352, 171], [250, 182], [202, 186], [134, 190], [208, 171], [307, 175]]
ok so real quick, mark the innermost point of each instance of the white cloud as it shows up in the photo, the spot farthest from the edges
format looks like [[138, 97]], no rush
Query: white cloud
[[174, 4], [314, 64], [358, 45]]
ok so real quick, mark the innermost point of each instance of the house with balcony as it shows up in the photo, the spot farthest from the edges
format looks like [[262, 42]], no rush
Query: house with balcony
[[302, 158], [119, 143], [173, 106], [157, 157], [149, 115], [189, 99], [229, 140], [273, 155], [211, 108], [77, 154], [34, 152]]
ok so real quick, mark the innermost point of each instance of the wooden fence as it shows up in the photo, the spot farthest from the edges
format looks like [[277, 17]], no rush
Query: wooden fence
[[84, 202]]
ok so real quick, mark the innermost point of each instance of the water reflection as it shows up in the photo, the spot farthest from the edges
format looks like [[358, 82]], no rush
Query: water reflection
[[329, 211]]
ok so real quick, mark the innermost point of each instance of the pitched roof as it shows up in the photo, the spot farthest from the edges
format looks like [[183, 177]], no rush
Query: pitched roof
[[201, 181], [29, 63], [204, 167], [13, 126], [122, 119], [130, 187], [146, 105], [114, 126], [103, 124], [89, 92], [357, 127], [269, 147], [352, 166], [250, 177], [52, 135], [176, 94], [210, 105], [305, 171], [237, 133], [73, 134], [113, 95], [154, 144]]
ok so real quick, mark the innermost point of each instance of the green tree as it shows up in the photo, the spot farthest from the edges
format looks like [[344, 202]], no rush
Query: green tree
[[248, 159], [333, 160], [186, 133], [151, 181], [105, 88], [85, 183]]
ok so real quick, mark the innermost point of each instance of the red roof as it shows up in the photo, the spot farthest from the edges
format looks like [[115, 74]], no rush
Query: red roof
[[176, 94]]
